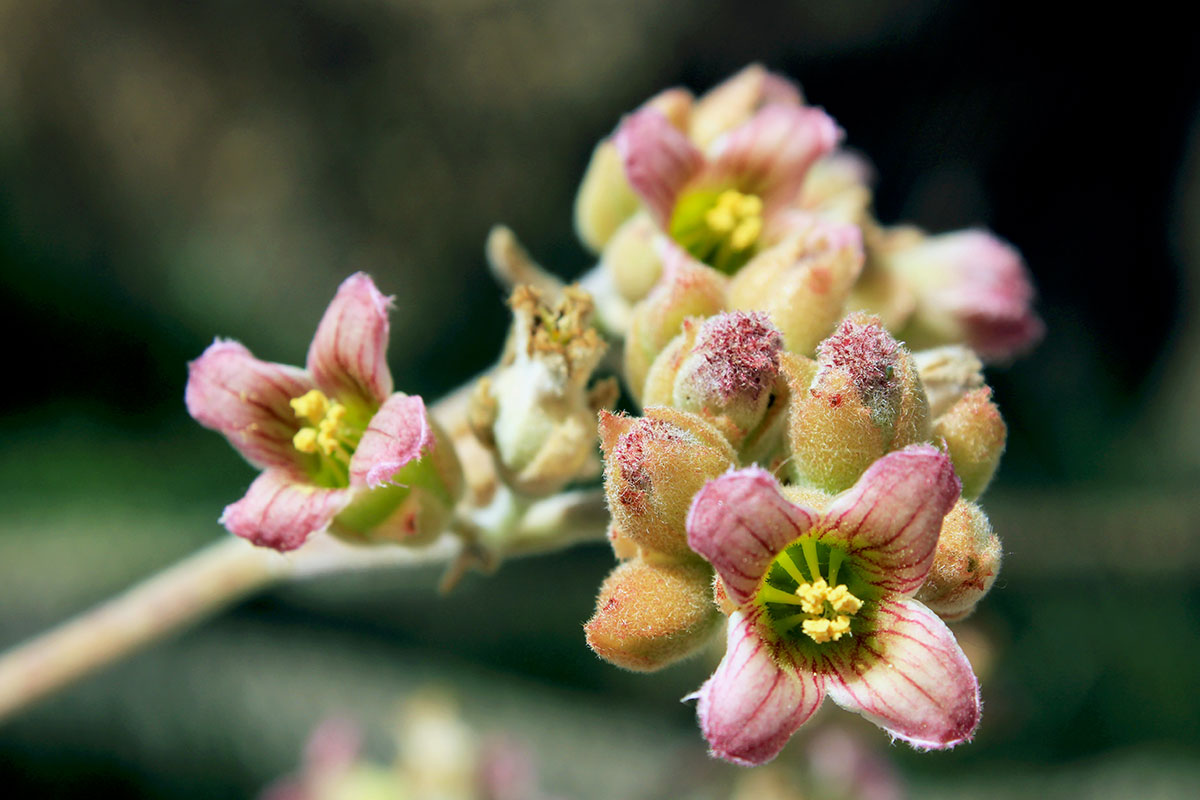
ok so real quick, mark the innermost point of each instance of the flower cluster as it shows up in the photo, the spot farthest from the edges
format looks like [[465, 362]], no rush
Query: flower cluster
[[799, 469], [814, 438]]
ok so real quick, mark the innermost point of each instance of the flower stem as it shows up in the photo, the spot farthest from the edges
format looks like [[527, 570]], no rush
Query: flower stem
[[230, 569]]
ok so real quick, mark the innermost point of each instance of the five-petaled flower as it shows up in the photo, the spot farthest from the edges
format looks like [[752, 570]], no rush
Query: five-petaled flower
[[724, 206], [323, 435], [823, 605]]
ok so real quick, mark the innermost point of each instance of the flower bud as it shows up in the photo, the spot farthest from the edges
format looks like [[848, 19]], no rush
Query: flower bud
[[734, 101], [970, 287], [975, 434], [687, 289], [412, 508], [948, 373], [865, 400], [723, 370], [802, 282], [605, 199], [630, 259], [653, 465], [965, 565], [536, 412], [649, 615], [838, 188]]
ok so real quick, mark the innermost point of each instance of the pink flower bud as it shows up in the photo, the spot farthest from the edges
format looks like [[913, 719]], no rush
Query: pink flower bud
[[865, 400], [723, 370], [971, 287]]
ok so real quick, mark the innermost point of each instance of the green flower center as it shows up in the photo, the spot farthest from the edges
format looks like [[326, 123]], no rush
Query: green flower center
[[813, 596], [721, 229]]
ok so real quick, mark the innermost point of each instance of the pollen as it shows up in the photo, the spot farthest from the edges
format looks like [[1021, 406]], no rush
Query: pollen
[[738, 217], [825, 610], [326, 433]]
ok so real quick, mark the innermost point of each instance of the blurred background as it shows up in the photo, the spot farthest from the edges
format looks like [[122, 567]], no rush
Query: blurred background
[[174, 171]]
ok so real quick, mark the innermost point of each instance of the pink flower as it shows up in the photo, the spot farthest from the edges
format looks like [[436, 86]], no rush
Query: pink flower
[[322, 435], [724, 205], [823, 605]]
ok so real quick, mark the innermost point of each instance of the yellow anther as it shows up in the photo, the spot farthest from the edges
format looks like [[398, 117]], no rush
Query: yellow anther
[[817, 629], [842, 601], [311, 405], [305, 440], [720, 219], [748, 205], [839, 627], [812, 596], [746, 233]]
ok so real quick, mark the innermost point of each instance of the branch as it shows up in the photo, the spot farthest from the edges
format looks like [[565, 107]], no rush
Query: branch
[[230, 569]]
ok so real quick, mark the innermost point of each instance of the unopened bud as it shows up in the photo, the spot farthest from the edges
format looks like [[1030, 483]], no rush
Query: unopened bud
[[536, 411], [630, 259], [733, 101], [971, 287], [838, 188], [865, 400], [802, 282], [975, 434], [649, 615], [948, 373], [653, 466], [965, 565], [687, 289], [723, 369]]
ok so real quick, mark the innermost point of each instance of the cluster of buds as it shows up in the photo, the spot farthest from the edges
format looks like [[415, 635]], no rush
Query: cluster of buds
[[799, 468]]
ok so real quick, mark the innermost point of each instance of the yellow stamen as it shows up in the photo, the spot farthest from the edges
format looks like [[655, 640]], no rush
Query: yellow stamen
[[842, 601], [817, 630], [326, 417], [737, 216], [305, 440], [312, 405], [812, 596]]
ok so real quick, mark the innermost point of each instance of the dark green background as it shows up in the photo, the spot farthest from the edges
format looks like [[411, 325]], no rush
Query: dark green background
[[174, 171]]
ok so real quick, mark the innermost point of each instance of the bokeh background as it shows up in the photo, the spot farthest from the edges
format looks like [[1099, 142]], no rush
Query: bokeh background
[[174, 171]]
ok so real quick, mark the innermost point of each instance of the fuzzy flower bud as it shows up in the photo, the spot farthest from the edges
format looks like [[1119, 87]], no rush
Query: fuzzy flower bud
[[965, 565], [948, 373], [653, 467], [975, 434], [630, 259], [865, 400], [970, 287], [650, 614], [687, 289], [802, 282], [723, 369], [536, 412]]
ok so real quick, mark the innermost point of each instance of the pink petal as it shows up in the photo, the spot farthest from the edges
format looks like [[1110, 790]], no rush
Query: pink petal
[[231, 391], [280, 512], [751, 705], [891, 518], [910, 678], [770, 154], [348, 355], [739, 523], [396, 435], [658, 160]]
